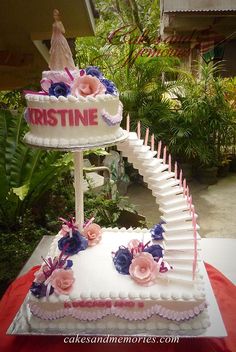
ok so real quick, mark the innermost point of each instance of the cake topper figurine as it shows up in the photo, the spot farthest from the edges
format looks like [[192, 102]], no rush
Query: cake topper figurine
[[60, 53]]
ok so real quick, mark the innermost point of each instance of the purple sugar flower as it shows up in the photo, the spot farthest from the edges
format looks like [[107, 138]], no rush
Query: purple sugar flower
[[155, 250], [122, 260], [110, 86], [74, 244], [39, 289], [94, 71], [157, 231], [59, 89]]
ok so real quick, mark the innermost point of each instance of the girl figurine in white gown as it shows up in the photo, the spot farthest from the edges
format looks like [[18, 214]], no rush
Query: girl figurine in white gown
[[60, 53]]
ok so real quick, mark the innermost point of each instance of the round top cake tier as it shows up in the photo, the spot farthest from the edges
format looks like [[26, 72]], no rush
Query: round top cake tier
[[70, 123], [76, 108]]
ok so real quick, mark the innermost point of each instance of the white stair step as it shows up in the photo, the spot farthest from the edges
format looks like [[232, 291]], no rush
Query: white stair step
[[144, 156], [185, 216], [156, 171], [185, 227], [167, 193], [184, 266], [175, 255], [165, 175], [175, 209], [167, 184], [179, 245], [176, 201], [132, 136], [180, 276], [152, 163], [141, 149], [183, 236]]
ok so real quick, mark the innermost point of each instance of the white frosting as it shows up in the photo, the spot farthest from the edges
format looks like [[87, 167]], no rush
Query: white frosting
[[75, 136]]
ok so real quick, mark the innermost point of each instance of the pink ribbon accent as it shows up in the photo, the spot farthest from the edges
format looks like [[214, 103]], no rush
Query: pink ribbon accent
[[180, 178], [139, 248], [71, 224], [159, 150], [69, 74], [32, 92], [195, 243], [146, 137], [164, 266], [164, 155], [152, 143], [89, 222], [128, 123], [169, 162], [139, 130]]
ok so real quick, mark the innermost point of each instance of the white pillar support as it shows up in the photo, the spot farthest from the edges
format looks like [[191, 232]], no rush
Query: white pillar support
[[79, 194]]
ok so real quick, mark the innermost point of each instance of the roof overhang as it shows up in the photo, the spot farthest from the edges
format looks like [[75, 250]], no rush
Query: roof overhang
[[25, 27], [187, 16]]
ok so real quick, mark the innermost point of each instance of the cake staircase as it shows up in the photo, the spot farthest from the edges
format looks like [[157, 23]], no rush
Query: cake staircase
[[180, 235]]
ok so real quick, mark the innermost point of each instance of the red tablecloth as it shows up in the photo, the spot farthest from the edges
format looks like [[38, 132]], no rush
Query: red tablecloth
[[224, 290]]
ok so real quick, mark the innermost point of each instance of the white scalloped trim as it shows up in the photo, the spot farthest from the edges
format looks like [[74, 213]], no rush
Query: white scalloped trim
[[70, 98]]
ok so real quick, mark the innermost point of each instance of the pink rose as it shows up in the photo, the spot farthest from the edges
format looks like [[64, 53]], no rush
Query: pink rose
[[62, 281], [143, 269], [87, 85], [93, 234]]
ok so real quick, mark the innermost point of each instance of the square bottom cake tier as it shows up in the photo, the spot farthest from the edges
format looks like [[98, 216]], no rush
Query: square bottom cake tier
[[105, 301]]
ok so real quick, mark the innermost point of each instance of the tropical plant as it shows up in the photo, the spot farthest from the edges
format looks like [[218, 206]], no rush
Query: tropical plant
[[145, 100], [202, 127], [25, 173], [106, 206]]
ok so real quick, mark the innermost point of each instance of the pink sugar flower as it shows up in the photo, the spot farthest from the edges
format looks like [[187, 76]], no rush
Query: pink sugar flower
[[144, 269], [87, 85], [62, 281], [93, 234]]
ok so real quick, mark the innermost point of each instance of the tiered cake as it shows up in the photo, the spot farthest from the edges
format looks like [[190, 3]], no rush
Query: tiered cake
[[113, 280]]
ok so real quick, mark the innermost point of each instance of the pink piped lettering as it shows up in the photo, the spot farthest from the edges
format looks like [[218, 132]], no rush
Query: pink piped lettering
[[93, 115], [81, 118], [63, 116], [71, 118], [31, 116], [38, 114], [45, 119], [52, 120]]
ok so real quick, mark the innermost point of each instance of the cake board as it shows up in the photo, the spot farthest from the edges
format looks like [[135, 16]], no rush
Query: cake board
[[20, 325]]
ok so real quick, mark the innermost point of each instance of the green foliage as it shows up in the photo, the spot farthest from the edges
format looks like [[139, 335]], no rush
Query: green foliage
[[106, 206], [203, 125], [16, 247], [25, 173], [12, 100], [145, 100], [124, 29]]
